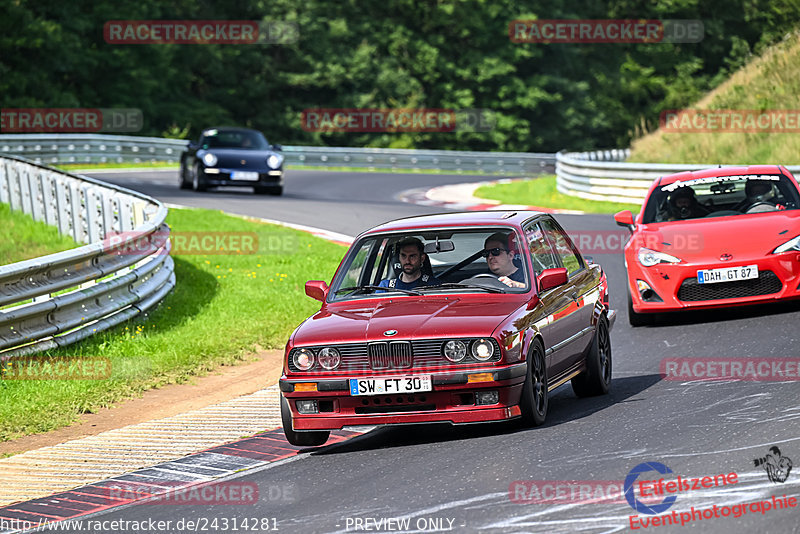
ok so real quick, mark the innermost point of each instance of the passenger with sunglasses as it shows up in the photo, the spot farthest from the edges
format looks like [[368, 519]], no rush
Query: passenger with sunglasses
[[500, 259]]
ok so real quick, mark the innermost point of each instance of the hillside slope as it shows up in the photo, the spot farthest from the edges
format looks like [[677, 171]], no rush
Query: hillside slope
[[769, 82]]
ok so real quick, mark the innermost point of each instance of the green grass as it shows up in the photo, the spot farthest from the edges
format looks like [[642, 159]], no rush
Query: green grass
[[769, 82], [22, 238], [222, 309], [542, 192]]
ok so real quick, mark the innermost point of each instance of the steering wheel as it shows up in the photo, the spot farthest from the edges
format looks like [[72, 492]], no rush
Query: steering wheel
[[761, 207]]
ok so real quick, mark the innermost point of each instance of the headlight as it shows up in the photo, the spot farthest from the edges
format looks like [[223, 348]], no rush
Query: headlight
[[482, 350], [648, 257], [209, 159], [303, 359], [274, 161], [792, 244], [329, 358], [455, 351]]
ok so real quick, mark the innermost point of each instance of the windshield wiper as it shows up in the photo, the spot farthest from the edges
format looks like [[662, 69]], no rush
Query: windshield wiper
[[458, 285], [380, 288]]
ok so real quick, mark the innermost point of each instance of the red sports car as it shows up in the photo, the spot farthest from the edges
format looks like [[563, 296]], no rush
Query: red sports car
[[460, 318], [713, 238]]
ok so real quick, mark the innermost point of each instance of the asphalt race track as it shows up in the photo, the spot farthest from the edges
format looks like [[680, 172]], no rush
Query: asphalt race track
[[436, 478]]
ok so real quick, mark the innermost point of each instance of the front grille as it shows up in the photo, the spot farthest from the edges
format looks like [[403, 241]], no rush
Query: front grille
[[766, 283], [390, 355], [419, 353]]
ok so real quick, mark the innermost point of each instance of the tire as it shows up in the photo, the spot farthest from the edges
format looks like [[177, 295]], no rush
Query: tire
[[197, 184], [274, 190], [638, 319], [596, 379], [302, 439], [184, 183], [533, 402]]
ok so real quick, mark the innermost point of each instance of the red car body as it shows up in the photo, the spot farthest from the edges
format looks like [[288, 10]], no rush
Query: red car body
[[561, 312], [725, 239]]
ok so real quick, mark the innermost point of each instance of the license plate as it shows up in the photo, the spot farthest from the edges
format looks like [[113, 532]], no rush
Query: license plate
[[245, 175], [390, 384], [728, 274]]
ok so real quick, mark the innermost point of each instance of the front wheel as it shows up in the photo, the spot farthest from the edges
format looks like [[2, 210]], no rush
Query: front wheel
[[184, 177], [198, 184], [302, 439], [596, 379], [533, 403]]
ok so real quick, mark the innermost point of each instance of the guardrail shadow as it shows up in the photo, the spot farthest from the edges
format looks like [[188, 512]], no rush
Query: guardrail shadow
[[564, 407]]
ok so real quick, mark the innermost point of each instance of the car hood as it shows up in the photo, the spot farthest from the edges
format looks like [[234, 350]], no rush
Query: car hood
[[233, 157], [743, 236], [412, 318]]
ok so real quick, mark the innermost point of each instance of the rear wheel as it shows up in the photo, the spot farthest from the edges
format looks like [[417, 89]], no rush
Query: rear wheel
[[596, 379], [533, 403], [302, 439]]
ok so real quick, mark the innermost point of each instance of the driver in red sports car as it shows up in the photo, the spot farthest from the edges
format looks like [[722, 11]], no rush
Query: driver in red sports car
[[683, 205]]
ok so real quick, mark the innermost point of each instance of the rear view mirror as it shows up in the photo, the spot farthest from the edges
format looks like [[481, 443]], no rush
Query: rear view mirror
[[439, 246], [317, 289], [550, 278], [624, 218]]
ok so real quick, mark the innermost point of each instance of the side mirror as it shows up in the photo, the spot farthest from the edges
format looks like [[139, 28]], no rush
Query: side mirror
[[317, 290], [192, 145], [550, 278], [624, 218], [277, 147]]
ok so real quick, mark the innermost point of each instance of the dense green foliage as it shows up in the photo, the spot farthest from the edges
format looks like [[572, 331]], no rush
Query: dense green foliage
[[383, 54]]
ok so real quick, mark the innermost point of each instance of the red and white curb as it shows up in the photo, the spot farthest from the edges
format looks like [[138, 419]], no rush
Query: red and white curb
[[461, 197]]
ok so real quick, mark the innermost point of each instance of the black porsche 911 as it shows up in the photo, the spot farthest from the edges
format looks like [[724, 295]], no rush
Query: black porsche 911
[[232, 156]]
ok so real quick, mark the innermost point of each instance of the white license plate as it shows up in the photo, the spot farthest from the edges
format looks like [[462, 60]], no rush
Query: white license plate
[[728, 274], [245, 175], [387, 385]]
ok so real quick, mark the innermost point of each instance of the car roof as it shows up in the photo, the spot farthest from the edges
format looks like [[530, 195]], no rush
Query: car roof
[[722, 171], [465, 218], [230, 129]]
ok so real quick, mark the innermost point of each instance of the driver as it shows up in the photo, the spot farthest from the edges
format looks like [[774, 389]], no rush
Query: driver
[[412, 257], [683, 205], [499, 256]]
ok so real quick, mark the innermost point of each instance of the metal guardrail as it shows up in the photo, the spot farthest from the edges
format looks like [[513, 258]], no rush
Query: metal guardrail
[[122, 271], [95, 148], [604, 175]]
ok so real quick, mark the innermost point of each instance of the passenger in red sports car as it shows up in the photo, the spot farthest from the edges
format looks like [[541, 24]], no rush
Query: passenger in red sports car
[[412, 259], [684, 205], [499, 254]]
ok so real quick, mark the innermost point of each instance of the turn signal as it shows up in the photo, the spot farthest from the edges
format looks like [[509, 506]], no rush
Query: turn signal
[[306, 386], [480, 377]]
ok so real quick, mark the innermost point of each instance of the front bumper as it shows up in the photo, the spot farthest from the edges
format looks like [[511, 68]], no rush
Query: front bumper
[[221, 176], [452, 400], [677, 288]]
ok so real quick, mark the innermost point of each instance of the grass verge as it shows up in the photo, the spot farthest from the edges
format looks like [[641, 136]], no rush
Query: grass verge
[[542, 192], [222, 308], [22, 238]]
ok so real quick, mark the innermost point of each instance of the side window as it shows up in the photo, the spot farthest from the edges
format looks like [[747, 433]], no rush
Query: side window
[[541, 252], [563, 247]]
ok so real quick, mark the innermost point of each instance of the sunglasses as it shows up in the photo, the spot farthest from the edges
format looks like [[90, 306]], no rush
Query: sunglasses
[[493, 251]]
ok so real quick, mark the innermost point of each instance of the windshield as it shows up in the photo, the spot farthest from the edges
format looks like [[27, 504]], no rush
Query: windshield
[[234, 139], [721, 196], [432, 261]]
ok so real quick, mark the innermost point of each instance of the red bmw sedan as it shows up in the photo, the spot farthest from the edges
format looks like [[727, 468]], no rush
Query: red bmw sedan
[[713, 238], [459, 318]]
